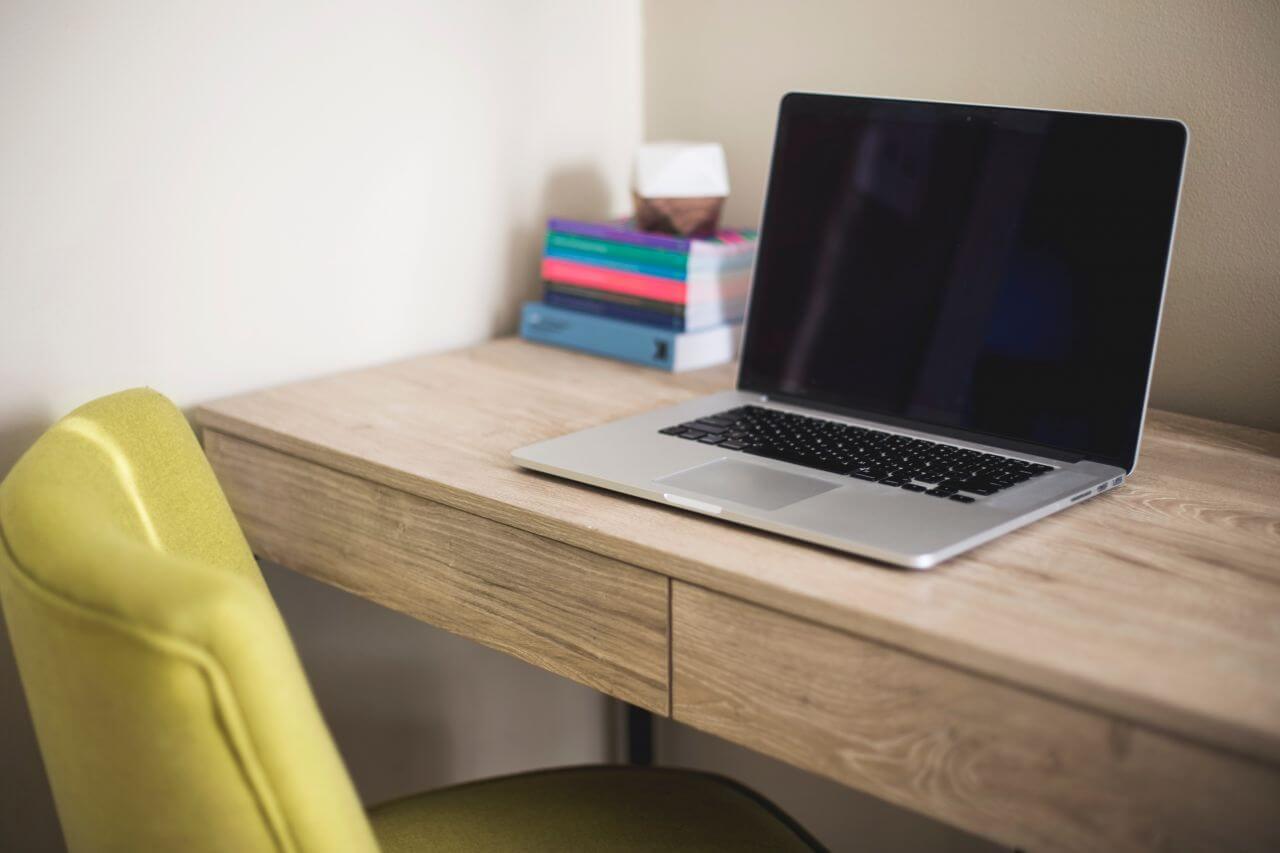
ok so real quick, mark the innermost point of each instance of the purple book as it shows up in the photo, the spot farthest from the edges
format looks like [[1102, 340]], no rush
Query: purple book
[[728, 241]]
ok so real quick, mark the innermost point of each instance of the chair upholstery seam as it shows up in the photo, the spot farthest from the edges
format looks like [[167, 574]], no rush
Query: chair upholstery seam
[[224, 704]]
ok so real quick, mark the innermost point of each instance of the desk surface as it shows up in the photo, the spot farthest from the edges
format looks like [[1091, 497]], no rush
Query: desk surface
[[1157, 603]]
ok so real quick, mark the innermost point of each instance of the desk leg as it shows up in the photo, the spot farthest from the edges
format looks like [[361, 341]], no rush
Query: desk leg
[[639, 729]]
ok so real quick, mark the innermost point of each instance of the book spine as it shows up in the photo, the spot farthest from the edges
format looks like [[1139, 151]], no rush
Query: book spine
[[653, 306], [612, 250], [614, 311], [694, 289], [726, 242], [585, 275], [618, 264], [645, 261], [603, 231], [598, 335]]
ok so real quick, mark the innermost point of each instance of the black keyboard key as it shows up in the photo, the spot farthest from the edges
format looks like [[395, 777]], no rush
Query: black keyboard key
[[833, 466], [865, 454], [912, 487], [809, 461], [706, 426], [964, 499], [889, 481], [762, 450], [941, 492]]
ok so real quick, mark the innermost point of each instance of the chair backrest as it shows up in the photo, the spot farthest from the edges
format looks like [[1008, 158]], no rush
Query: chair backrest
[[169, 703]]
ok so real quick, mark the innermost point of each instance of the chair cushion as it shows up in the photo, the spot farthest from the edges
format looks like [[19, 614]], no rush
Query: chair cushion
[[589, 808]]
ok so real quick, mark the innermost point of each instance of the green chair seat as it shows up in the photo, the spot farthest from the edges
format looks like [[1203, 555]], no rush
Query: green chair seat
[[171, 709], [589, 808]]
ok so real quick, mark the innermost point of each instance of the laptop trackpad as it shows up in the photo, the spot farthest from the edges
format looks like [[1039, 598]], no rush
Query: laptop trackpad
[[745, 483]]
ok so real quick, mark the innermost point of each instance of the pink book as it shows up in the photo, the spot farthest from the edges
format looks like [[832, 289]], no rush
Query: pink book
[[696, 289]]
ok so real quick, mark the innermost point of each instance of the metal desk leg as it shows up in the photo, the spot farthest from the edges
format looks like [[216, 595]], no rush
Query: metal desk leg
[[639, 733]]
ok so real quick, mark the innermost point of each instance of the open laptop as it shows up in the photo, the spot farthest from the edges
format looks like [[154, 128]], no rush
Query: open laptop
[[950, 333]]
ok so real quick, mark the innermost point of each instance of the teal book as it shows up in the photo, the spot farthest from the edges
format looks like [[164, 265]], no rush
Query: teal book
[[633, 342], [644, 260]]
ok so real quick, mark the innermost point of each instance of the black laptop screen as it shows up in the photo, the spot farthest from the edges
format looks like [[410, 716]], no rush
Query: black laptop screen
[[981, 271]]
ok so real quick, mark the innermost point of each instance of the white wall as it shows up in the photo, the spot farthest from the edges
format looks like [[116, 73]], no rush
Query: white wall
[[212, 197], [715, 69]]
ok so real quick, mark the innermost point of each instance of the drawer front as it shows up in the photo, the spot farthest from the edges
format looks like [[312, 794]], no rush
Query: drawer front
[[1008, 764], [592, 619]]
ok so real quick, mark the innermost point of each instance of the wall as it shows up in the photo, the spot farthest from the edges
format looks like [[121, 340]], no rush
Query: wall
[[213, 197], [715, 70]]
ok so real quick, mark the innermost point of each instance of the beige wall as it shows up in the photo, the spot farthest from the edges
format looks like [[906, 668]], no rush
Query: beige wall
[[213, 197], [715, 71]]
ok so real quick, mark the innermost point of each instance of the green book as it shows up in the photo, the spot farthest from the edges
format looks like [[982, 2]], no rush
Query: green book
[[678, 261]]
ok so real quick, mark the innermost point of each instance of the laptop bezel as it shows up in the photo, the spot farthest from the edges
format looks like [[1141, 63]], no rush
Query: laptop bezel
[[997, 441]]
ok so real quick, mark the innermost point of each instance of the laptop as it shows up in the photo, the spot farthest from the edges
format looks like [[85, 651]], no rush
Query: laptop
[[950, 332]]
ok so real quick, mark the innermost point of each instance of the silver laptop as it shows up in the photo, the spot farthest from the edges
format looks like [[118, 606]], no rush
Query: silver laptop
[[950, 334]]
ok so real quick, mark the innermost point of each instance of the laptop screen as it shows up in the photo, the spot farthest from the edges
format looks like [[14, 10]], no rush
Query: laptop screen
[[982, 272]]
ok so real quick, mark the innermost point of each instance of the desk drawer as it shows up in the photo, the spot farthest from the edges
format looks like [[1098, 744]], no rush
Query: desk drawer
[[1011, 765], [595, 620]]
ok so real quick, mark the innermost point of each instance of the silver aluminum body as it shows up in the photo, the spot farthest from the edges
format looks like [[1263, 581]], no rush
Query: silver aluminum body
[[885, 523]]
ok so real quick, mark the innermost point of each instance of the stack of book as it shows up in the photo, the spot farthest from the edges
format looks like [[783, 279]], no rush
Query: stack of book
[[655, 299]]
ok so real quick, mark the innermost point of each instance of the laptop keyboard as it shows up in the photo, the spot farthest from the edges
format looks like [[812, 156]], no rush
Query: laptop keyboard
[[900, 461]]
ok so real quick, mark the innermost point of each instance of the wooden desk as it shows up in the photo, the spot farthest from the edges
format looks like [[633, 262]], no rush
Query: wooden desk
[[1108, 678]]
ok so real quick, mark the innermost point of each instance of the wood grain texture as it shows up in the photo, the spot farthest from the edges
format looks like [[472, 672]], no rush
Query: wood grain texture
[[999, 761], [590, 618], [1158, 602]]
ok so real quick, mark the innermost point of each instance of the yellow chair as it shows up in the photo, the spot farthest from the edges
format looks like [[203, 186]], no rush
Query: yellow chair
[[172, 711]]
